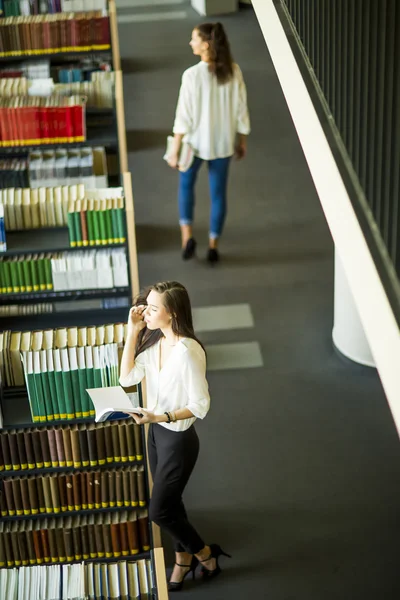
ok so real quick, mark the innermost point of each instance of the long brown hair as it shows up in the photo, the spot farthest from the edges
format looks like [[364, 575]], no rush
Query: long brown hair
[[176, 300], [220, 57]]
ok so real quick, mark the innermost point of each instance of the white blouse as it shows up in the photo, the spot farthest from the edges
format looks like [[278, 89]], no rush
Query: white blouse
[[209, 114], [181, 383]]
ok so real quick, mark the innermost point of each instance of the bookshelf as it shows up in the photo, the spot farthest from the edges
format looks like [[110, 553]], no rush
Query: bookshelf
[[105, 128]]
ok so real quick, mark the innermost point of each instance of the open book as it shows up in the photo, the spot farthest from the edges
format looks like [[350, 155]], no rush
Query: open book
[[109, 400]]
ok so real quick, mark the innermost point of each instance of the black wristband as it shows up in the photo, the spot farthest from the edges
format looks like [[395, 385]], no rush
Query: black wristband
[[168, 417]]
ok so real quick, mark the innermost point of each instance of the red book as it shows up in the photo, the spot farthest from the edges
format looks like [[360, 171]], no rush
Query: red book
[[62, 123], [69, 126], [78, 121]]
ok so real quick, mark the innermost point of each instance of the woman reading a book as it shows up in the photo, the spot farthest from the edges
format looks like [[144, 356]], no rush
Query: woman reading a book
[[161, 345], [212, 117]]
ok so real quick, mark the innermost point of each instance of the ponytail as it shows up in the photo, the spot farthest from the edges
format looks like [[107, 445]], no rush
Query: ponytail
[[220, 57]]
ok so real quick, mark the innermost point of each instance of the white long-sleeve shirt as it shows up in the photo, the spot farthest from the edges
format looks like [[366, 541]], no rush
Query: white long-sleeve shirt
[[181, 383], [210, 114]]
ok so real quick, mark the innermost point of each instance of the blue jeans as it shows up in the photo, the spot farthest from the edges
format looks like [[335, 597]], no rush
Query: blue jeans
[[218, 180]]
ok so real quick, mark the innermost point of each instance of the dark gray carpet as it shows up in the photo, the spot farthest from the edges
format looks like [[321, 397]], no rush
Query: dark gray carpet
[[298, 476]]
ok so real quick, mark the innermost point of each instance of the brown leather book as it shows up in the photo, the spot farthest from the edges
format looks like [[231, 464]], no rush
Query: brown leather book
[[62, 490], [25, 496], [115, 540], [8, 549], [101, 444], [90, 489], [76, 451], [126, 490], [37, 544], [44, 442], [119, 492], [9, 496], [144, 533], [68, 540], [33, 496], [60, 446], [92, 541], [51, 435], [115, 442], [84, 491], [76, 488], [76, 536], [133, 487], [3, 559], [105, 492], [123, 442], [29, 542], [45, 481], [14, 545], [22, 449], [15, 460], [16, 487], [66, 433], [91, 438], [130, 440], [133, 534], [109, 443], [3, 504], [138, 441], [45, 545], [98, 535], [70, 493], [51, 534], [107, 536], [97, 489], [30, 455], [55, 494], [37, 449], [62, 553], [85, 539], [23, 548], [1, 456], [111, 488], [40, 493], [6, 451], [84, 448], [141, 486], [123, 533]]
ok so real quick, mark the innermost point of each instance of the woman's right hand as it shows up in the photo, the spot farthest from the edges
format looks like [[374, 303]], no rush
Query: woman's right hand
[[136, 318]]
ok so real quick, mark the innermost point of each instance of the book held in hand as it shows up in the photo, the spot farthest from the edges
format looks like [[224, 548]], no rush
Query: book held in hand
[[111, 400], [186, 154]]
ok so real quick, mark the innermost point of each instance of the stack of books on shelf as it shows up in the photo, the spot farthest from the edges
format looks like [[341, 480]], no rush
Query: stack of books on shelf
[[74, 491], [87, 166], [123, 579], [16, 8], [71, 446], [46, 34]]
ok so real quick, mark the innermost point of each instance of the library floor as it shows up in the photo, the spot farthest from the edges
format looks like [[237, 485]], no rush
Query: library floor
[[298, 476]]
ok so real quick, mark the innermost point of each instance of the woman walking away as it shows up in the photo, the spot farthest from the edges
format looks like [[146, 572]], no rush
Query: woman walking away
[[161, 345], [212, 116]]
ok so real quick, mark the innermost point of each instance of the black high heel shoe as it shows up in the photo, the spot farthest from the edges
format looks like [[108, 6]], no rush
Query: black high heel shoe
[[212, 256], [190, 249], [176, 586], [216, 552]]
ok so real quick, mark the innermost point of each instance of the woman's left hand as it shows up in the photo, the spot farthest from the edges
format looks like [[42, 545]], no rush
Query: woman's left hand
[[148, 417], [174, 160]]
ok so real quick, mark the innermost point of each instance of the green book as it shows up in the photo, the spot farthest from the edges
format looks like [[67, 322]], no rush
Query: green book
[[103, 228], [39, 389], [52, 384], [33, 265], [96, 227], [90, 227], [83, 382], [78, 227], [121, 221], [27, 275], [15, 284], [21, 276], [114, 225], [98, 368], [76, 394], [71, 229], [109, 227], [48, 273], [90, 375], [27, 360], [41, 272], [67, 382], [59, 384], [46, 386]]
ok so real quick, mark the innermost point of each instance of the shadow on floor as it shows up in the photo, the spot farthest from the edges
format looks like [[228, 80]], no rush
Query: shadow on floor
[[146, 139]]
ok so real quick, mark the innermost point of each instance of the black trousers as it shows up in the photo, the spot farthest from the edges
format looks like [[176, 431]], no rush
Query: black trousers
[[172, 457]]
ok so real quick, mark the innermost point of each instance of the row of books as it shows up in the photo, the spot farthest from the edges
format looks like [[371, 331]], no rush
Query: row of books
[[81, 68], [69, 492], [29, 121], [16, 8], [122, 580], [86, 270], [74, 446], [104, 535], [98, 92], [14, 173], [33, 208], [16, 310], [45, 34], [96, 222]]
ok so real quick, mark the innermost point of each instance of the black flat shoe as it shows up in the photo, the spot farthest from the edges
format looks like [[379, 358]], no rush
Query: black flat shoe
[[176, 586], [189, 250], [216, 552], [212, 256]]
